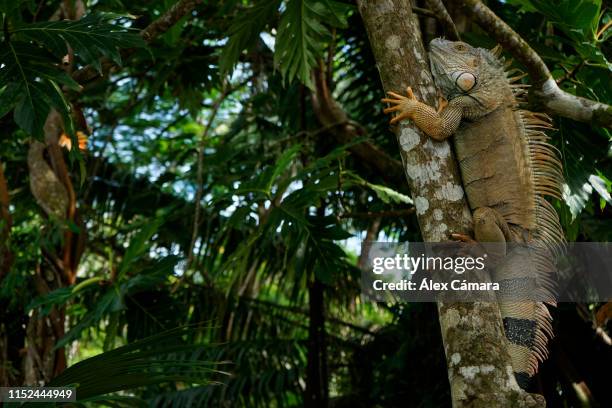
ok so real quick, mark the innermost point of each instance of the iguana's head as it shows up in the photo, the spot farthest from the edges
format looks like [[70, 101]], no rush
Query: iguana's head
[[462, 70]]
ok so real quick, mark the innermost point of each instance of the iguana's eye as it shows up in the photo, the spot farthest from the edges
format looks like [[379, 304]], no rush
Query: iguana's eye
[[465, 81], [460, 47]]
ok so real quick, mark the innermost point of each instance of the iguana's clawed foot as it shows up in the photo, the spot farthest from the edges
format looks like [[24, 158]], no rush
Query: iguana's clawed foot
[[463, 238], [471, 249], [401, 104]]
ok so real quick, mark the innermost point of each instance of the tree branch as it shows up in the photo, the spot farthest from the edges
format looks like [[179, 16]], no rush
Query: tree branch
[[152, 31], [545, 92], [6, 223], [168, 19], [444, 18], [200, 177], [332, 117], [374, 215], [424, 12]]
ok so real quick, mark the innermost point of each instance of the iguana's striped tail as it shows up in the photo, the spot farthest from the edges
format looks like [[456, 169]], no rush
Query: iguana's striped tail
[[527, 324]]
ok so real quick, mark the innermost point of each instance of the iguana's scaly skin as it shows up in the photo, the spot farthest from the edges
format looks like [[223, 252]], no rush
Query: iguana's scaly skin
[[507, 168]]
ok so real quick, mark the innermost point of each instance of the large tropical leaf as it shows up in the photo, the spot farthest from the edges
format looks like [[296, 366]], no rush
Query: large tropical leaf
[[30, 77], [302, 35], [90, 37], [29, 84], [245, 30], [168, 357]]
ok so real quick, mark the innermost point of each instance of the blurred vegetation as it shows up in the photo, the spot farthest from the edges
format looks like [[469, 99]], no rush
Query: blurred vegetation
[[219, 220]]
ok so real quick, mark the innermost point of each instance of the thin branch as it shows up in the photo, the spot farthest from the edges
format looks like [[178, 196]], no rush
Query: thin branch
[[200, 176], [441, 14], [373, 215], [168, 19], [371, 236], [545, 92], [424, 12], [570, 74], [331, 115], [6, 223], [225, 92]]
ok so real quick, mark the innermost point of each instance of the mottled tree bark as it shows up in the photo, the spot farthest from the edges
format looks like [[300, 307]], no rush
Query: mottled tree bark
[[479, 368]]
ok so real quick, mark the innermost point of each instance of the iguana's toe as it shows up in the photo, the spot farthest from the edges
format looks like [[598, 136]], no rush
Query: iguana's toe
[[463, 238], [410, 93], [401, 116], [442, 103], [389, 100], [396, 95], [392, 109]]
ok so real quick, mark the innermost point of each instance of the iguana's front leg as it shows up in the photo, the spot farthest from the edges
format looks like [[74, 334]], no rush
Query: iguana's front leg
[[438, 124]]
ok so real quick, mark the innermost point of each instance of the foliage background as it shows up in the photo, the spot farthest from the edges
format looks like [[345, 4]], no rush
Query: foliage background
[[254, 289]]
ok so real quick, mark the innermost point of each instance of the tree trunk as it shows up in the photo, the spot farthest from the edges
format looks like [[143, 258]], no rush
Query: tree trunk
[[316, 371], [479, 368]]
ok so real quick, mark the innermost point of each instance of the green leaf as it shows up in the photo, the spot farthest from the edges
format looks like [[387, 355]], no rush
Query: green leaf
[[90, 37], [29, 73], [245, 30], [162, 358], [57, 297], [301, 37], [87, 282], [282, 164], [386, 194], [265, 180], [139, 244], [578, 19], [524, 5], [7, 6], [31, 111], [106, 304], [8, 98], [599, 185], [152, 276], [576, 198], [337, 13]]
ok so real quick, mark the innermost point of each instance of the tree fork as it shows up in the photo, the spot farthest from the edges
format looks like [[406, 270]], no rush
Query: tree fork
[[479, 367]]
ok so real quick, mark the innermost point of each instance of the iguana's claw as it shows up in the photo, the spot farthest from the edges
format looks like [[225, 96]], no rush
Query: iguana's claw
[[397, 97], [410, 93], [401, 116], [463, 238], [442, 103]]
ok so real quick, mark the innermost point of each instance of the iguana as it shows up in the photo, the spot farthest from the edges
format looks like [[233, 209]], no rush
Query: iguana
[[507, 169]]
